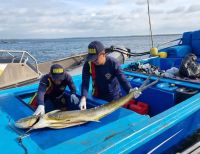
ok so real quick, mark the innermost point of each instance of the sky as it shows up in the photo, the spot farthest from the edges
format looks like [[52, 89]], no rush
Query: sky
[[21, 19]]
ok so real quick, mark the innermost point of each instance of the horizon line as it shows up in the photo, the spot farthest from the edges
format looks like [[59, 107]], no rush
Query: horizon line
[[88, 37]]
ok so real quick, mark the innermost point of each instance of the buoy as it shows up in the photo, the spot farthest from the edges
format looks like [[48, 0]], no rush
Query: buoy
[[154, 51], [162, 54]]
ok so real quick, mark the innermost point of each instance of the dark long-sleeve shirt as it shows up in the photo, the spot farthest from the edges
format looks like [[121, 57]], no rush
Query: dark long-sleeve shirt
[[49, 89], [109, 77]]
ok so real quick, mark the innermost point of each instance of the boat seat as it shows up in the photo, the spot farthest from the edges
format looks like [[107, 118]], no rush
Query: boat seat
[[186, 38], [190, 44], [192, 39], [166, 63], [178, 51]]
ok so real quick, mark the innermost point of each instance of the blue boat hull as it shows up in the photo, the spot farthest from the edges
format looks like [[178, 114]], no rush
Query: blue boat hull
[[122, 131]]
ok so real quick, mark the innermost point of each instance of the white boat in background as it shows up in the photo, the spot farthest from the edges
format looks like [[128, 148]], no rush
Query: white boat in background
[[19, 68]]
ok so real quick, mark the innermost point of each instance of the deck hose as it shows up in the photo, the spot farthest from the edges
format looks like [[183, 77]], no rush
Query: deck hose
[[125, 51]]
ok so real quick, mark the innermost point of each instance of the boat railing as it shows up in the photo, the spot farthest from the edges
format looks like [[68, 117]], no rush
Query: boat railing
[[16, 56], [170, 42]]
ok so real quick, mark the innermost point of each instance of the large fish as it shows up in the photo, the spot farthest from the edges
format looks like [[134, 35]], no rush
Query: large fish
[[61, 119]]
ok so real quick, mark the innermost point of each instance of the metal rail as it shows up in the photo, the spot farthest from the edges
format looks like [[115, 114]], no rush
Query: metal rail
[[21, 56], [179, 39]]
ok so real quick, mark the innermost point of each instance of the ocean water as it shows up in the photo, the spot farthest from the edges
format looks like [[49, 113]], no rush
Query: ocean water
[[50, 49]]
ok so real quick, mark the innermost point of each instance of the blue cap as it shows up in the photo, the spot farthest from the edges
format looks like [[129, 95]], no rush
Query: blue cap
[[57, 72], [94, 48]]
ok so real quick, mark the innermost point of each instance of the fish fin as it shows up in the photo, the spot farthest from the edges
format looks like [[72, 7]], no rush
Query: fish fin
[[65, 125], [94, 120], [54, 111], [90, 120]]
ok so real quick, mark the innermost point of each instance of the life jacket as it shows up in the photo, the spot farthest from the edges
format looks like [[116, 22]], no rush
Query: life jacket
[[94, 84], [50, 87]]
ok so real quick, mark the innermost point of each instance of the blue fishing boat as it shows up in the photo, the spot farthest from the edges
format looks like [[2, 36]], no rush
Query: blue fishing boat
[[156, 122]]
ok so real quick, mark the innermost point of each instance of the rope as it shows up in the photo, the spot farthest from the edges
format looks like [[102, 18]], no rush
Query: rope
[[125, 51], [20, 140], [152, 44], [133, 54], [21, 137]]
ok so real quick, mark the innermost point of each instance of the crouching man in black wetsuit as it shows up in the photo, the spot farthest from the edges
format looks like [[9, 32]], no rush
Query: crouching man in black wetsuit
[[106, 73], [51, 92]]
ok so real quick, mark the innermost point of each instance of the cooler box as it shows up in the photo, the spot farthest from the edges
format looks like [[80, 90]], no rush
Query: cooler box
[[139, 107]]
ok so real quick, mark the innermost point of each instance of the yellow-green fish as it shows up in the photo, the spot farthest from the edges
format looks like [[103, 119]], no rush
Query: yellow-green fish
[[61, 119]]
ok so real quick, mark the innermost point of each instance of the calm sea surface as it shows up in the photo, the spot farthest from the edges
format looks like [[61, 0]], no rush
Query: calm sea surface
[[49, 49]]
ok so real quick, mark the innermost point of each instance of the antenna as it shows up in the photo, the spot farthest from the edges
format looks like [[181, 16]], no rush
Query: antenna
[[152, 45], [153, 50]]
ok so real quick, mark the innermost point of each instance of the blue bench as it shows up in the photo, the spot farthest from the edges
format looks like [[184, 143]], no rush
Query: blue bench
[[190, 43]]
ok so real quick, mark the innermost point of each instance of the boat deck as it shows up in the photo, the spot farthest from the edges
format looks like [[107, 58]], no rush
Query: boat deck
[[122, 131], [52, 141]]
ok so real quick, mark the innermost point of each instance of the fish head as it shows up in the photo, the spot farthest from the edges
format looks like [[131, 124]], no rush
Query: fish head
[[27, 122], [60, 119]]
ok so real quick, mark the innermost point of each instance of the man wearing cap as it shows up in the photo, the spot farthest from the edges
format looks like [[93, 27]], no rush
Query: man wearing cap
[[106, 74], [51, 92]]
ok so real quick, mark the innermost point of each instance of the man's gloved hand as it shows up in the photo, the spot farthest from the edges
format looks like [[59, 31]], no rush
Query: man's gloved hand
[[40, 110], [82, 104], [74, 99], [137, 93]]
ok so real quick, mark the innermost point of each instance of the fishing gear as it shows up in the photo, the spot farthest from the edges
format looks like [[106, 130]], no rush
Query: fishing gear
[[145, 84], [21, 135], [19, 139]]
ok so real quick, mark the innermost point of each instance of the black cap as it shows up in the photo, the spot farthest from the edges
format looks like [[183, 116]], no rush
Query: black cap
[[94, 48], [57, 72]]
